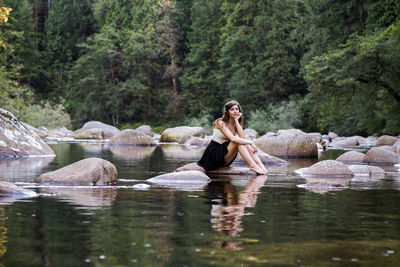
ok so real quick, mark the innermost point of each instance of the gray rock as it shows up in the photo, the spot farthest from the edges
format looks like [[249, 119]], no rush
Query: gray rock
[[396, 147], [351, 157], [145, 129], [291, 131], [10, 189], [174, 134], [332, 135], [108, 130], [42, 128], [181, 178], [250, 134], [345, 142], [366, 170], [95, 133], [316, 137], [386, 140], [132, 137], [19, 140], [90, 171], [381, 156], [191, 167], [231, 170], [197, 141], [288, 145], [326, 168], [264, 157]]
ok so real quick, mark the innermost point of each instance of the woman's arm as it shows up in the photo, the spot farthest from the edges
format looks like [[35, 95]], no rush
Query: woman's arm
[[239, 128], [225, 130]]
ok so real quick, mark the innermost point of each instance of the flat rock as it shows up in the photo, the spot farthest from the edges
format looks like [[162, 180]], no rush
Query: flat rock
[[131, 137], [176, 133], [381, 156], [17, 139], [231, 170], [351, 156], [90, 171], [181, 178], [326, 168], [264, 157], [366, 170], [10, 189]]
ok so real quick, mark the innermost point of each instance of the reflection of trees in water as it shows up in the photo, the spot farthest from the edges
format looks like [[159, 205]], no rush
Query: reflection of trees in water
[[228, 214], [3, 233]]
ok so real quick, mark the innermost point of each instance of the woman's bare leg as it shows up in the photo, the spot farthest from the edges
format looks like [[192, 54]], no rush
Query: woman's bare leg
[[256, 158], [244, 152]]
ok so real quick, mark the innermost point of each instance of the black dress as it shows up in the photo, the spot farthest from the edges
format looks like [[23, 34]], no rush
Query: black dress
[[213, 156]]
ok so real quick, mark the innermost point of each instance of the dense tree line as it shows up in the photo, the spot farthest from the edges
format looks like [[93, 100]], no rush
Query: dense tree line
[[326, 65]]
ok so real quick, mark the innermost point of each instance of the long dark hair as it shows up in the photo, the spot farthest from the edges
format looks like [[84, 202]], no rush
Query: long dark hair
[[227, 107]]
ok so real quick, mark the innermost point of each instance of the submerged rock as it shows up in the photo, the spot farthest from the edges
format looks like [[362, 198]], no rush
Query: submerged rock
[[174, 134], [381, 156], [90, 171], [326, 168], [351, 157], [132, 137], [181, 178], [10, 189], [18, 140]]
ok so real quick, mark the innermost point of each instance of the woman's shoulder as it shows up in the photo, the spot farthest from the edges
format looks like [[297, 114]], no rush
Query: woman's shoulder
[[219, 123]]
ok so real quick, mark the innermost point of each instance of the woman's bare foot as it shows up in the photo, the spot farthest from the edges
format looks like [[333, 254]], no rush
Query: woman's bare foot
[[257, 170]]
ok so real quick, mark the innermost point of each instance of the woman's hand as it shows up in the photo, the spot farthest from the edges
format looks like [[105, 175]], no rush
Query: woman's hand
[[255, 148], [238, 117]]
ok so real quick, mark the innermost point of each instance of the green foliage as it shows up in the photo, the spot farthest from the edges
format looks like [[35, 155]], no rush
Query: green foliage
[[283, 115], [356, 89], [205, 120], [45, 114]]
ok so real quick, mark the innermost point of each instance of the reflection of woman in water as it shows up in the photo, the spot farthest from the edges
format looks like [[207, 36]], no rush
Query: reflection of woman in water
[[228, 139], [229, 219]]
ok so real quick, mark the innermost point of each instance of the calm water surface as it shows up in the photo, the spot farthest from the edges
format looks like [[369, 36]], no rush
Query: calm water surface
[[233, 221]]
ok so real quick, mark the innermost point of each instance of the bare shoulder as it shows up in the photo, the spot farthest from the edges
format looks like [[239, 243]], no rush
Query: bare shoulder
[[219, 124]]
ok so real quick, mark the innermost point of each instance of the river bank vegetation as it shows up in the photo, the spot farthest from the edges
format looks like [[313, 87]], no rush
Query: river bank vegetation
[[325, 65]]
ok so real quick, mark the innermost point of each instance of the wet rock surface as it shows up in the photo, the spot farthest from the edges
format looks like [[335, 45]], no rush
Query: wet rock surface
[[379, 155], [10, 189], [351, 156], [181, 178], [326, 168]]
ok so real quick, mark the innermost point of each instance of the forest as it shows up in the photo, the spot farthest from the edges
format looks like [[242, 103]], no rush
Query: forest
[[315, 65]]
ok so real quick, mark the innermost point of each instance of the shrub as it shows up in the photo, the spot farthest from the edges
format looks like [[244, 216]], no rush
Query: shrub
[[204, 120]]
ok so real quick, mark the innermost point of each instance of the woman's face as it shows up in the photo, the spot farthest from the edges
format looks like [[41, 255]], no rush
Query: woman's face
[[234, 111]]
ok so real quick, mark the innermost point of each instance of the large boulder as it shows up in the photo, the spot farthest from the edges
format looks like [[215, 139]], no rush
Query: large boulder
[[18, 140], [396, 147], [145, 129], [108, 130], [379, 155], [197, 141], [10, 189], [90, 171], [132, 137], [183, 178], [332, 135], [351, 157], [367, 170], [288, 145], [326, 168], [174, 134], [316, 137], [386, 140]]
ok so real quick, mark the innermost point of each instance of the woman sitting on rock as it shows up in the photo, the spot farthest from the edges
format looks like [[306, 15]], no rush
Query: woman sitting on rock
[[228, 139]]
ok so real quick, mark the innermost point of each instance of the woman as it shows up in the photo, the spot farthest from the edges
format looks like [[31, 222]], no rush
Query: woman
[[228, 139]]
